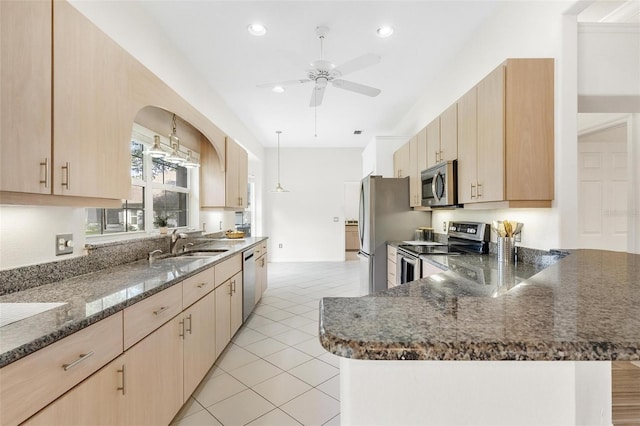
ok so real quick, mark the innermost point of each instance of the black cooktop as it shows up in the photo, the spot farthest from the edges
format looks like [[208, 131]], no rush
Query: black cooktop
[[463, 238], [435, 250]]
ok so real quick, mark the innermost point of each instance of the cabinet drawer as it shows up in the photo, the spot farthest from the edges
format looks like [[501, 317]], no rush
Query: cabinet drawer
[[392, 253], [149, 314], [228, 268], [31, 383], [197, 286]]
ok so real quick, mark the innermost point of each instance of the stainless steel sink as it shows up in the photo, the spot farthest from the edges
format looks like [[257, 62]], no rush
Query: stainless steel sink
[[204, 253]]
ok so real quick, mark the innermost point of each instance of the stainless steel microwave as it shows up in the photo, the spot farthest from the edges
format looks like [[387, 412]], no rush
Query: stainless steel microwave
[[440, 185]]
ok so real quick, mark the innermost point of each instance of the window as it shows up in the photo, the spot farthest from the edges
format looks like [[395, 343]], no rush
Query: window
[[154, 182]]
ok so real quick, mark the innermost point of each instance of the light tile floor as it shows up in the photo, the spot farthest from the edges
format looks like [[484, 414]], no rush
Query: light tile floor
[[275, 372]]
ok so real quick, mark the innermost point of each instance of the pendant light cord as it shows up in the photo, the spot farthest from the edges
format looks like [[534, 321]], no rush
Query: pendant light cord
[[278, 132]]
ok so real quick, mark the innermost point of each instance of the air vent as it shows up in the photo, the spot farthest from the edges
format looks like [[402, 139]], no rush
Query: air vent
[[357, 132]]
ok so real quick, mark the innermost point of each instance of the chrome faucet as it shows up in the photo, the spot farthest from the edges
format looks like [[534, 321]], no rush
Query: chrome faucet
[[173, 247], [184, 247], [151, 257]]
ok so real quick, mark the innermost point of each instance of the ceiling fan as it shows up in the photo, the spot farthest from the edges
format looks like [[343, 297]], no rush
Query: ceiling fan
[[324, 72]]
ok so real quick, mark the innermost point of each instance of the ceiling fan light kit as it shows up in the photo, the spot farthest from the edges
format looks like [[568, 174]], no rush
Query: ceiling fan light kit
[[324, 72]]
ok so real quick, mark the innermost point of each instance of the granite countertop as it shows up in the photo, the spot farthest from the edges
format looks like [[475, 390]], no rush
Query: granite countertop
[[89, 298], [585, 307]]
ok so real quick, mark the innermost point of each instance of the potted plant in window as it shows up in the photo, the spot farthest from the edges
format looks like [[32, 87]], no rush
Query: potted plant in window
[[161, 222]]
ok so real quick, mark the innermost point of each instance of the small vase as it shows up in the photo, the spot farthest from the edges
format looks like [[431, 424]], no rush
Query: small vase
[[163, 230]]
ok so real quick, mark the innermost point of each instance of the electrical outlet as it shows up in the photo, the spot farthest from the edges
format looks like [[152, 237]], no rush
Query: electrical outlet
[[444, 227], [280, 245], [64, 244], [518, 237], [336, 219]]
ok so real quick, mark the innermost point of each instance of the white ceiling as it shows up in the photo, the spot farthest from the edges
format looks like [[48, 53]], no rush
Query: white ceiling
[[212, 35]]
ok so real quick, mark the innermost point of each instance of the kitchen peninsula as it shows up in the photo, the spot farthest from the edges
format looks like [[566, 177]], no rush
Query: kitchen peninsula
[[435, 352]]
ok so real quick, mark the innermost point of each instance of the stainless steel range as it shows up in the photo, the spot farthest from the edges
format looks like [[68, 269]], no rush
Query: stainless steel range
[[464, 238]]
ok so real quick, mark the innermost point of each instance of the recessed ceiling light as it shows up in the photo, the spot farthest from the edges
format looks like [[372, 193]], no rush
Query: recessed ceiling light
[[277, 89], [257, 29], [385, 31]]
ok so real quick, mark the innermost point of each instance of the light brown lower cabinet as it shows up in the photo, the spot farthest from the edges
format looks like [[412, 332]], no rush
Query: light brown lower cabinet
[[199, 342], [261, 276], [141, 387], [228, 297]]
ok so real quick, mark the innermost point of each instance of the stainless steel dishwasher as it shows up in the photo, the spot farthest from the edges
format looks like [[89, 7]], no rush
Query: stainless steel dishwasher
[[249, 284]]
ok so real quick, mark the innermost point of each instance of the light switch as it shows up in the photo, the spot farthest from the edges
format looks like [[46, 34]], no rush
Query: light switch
[[336, 219]]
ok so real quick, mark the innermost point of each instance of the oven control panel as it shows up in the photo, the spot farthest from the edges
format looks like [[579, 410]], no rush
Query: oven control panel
[[475, 231]]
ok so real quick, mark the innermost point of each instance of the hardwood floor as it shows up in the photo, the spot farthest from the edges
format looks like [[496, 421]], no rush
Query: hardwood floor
[[626, 393]]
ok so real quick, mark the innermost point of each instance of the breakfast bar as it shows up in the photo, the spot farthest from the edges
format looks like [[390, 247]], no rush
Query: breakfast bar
[[408, 352]]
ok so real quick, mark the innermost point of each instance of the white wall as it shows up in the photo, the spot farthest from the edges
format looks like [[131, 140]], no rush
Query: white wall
[[302, 220], [609, 59], [519, 29]]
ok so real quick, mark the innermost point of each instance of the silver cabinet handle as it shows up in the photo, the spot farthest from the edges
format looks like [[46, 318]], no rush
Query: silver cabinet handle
[[189, 329], [233, 283], [182, 329], [81, 358], [121, 370], [478, 194], [161, 310], [230, 291], [46, 172], [473, 186], [67, 169], [201, 285]]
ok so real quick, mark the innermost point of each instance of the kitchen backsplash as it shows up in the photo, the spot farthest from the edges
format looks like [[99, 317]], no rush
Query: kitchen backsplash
[[99, 256]]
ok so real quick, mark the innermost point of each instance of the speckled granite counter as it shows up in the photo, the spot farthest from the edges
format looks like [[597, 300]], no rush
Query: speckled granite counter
[[584, 307], [91, 297]]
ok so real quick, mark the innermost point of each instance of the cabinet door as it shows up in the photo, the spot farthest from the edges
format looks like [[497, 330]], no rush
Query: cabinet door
[[264, 271], [223, 316], [236, 303], [415, 188], [92, 112], [25, 96], [154, 376], [231, 174], [243, 176], [212, 179], [199, 342], [98, 401], [261, 265], [433, 142], [490, 153], [401, 161], [449, 133], [423, 155], [467, 146]]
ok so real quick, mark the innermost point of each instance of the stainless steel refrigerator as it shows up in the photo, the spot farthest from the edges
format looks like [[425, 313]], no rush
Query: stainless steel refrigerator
[[385, 215]]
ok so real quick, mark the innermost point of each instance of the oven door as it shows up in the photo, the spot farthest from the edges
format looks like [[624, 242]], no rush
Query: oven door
[[408, 268]]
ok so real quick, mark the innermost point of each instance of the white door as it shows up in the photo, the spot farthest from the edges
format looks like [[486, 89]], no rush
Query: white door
[[602, 189]]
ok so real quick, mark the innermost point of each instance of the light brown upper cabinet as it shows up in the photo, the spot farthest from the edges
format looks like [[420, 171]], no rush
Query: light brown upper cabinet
[[402, 161], [223, 188], [91, 116], [506, 137], [448, 134], [414, 173], [433, 142], [236, 174], [25, 96], [84, 151]]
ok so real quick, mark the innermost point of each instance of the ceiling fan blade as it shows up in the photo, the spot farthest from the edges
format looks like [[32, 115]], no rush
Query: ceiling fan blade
[[284, 83], [316, 96], [356, 87], [358, 63]]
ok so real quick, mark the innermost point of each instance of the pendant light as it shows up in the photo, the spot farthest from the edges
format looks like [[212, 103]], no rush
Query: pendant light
[[190, 163], [279, 187], [174, 143], [156, 150]]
